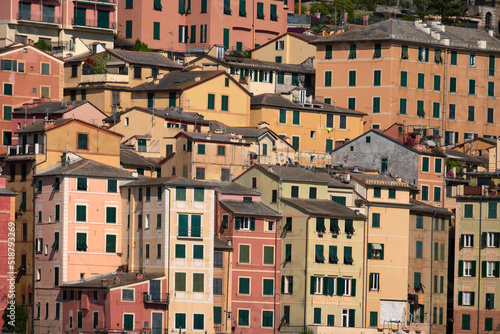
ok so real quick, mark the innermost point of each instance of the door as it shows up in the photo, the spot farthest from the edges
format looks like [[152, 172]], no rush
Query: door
[[155, 290], [157, 323]]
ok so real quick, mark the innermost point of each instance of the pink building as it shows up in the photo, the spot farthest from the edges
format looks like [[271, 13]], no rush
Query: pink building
[[38, 111], [26, 73], [66, 25], [77, 231], [197, 25], [117, 301], [253, 229], [7, 224]]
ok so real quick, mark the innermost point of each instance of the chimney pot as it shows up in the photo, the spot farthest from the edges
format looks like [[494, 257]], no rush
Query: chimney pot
[[139, 276], [104, 282]]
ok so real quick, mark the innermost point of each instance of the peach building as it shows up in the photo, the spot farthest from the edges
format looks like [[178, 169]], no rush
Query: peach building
[[423, 75], [26, 74], [184, 25], [77, 231], [67, 26]]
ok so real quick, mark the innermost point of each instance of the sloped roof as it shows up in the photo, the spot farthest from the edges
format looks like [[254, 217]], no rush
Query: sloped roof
[[255, 209], [420, 207], [213, 137], [153, 59], [88, 168], [407, 31], [129, 157], [174, 81], [171, 182], [369, 178], [95, 282], [256, 64], [51, 108], [221, 244], [295, 174], [232, 188], [39, 126], [278, 101], [323, 208], [306, 38], [457, 155]]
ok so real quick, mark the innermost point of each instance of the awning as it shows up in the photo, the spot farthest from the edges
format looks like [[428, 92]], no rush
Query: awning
[[377, 246]]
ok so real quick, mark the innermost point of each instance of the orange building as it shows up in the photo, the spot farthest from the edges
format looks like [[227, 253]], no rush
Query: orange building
[[186, 25], [423, 75], [26, 73]]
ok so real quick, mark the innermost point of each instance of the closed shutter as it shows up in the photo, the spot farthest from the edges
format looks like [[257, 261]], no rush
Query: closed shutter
[[183, 225], [211, 101], [110, 215], [352, 317], [226, 39], [196, 226], [110, 243]]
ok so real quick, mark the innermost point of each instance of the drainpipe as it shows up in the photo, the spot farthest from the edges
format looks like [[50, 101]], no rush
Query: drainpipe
[[227, 284], [167, 233], [276, 227], [479, 263], [431, 309], [365, 269], [305, 274], [445, 81]]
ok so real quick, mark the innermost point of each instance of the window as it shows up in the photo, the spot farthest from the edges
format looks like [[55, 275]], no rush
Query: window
[[472, 87], [211, 102], [488, 324], [492, 239], [180, 321], [469, 268], [110, 243], [437, 83], [180, 193], [198, 321], [189, 225], [180, 281], [243, 286], [352, 51], [348, 255], [244, 254], [273, 14], [418, 254], [260, 10], [198, 282], [225, 103], [332, 255], [351, 104], [110, 215], [243, 318], [377, 192], [376, 105], [435, 109], [317, 285], [180, 251], [468, 298], [437, 194], [492, 210], [392, 193], [7, 89], [319, 256], [200, 173], [349, 227], [199, 194], [402, 106], [490, 115], [268, 255], [468, 240], [470, 115], [81, 242], [468, 211], [328, 79], [317, 315], [268, 287], [376, 220], [288, 224], [217, 286], [221, 150], [352, 78], [81, 213], [375, 251], [328, 51], [45, 69], [491, 268], [374, 281]]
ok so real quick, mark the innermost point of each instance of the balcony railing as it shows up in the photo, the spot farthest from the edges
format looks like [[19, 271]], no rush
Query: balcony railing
[[189, 232], [39, 17], [161, 298], [104, 2], [93, 23], [28, 149]]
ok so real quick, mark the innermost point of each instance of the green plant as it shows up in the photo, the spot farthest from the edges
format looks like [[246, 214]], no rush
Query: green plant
[[453, 163], [15, 319], [43, 45], [358, 202], [140, 46], [240, 54], [303, 9], [98, 63]]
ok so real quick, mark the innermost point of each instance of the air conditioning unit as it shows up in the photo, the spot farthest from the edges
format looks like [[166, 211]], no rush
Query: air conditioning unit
[[148, 298], [345, 178]]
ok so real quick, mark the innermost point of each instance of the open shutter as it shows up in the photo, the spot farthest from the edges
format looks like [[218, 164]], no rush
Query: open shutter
[[483, 239], [460, 268], [369, 251], [326, 281], [473, 269], [461, 242], [497, 268], [252, 224], [282, 284], [237, 221], [353, 287], [313, 285], [382, 252], [340, 286], [460, 297], [472, 297], [352, 317], [483, 269]]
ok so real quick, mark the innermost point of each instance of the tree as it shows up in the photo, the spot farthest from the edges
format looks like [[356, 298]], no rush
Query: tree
[[20, 322], [450, 12], [331, 12], [302, 7], [140, 46], [42, 45]]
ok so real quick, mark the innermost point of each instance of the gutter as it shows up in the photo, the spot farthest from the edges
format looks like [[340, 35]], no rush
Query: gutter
[[305, 273]]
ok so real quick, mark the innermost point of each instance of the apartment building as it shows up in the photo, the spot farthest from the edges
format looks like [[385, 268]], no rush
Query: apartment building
[[289, 48], [186, 26], [69, 27], [445, 77]]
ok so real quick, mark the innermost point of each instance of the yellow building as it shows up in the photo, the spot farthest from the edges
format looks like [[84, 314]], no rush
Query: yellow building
[[152, 133], [209, 156], [289, 48], [171, 231], [424, 75], [214, 94], [105, 78], [313, 128]]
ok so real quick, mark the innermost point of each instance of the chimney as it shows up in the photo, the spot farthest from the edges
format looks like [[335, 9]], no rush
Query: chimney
[[139, 276], [117, 280], [263, 125], [398, 179], [49, 124], [197, 78], [119, 271], [490, 32], [365, 20], [69, 106], [481, 44], [104, 282]]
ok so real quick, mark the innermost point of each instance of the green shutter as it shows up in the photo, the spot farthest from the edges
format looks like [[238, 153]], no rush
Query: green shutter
[[203, 6], [268, 287], [260, 10], [491, 66], [373, 319], [217, 315], [328, 51], [491, 88], [296, 117], [192, 38], [421, 81], [128, 29], [273, 14], [242, 8], [376, 220], [268, 255], [110, 243], [377, 53], [492, 209], [211, 102], [377, 77], [295, 142], [199, 194], [103, 19], [180, 251], [453, 85], [244, 286], [183, 225], [404, 79], [472, 87], [352, 317], [110, 215], [329, 145], [402, 106], [196, 226], [376, 105], [328, 78], [453, 58], [225, 103], [180, 193], [435, 109], [198, 252], [81, 213], [182, 6], [226, 39], [437, 82], [419, 250], [244, 256], [352, 78], [317, 315]]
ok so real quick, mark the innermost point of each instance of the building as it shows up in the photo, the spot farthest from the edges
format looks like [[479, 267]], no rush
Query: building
[[259, 76], [417, 165], [356, 69], [105, 78], [207, 156], [7, 225], [78, 230], [152, 133], [223, 280], [130, 160], [266, 147], [67, 26], [476, 263], [289, 48], [477, 146], [39, 111], [171, 232], [90, 305], [26, 73], [190, 27], [214, 94], [428, 267], [313, 128], [252, 228]]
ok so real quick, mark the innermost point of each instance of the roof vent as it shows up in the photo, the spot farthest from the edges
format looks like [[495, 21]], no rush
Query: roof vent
[[481, 44]]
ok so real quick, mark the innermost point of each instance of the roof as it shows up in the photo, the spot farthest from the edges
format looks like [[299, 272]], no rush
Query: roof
[[301, 174], [82, 56], [278, 101], [50, 108], [332, 182], [490, 141], [16, 46], [96, 281], [7, 192], [232, 188], [256, 64], [129, 157], [420, 207], [323, 208], [407, 31], [87, 168], [175, 81], [457, 155], [39, 126], [213, 137], [256, 209], [173, 181], [306, 38], [153, 59], [376, 179], [174, 114], [221, 244]]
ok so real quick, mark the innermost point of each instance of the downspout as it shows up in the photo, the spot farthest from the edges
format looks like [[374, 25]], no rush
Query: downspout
[[276, 227], [168, 256], [431, 309], [365, 269], [227, 285], [479, 263], [305, 274], [33, 282]]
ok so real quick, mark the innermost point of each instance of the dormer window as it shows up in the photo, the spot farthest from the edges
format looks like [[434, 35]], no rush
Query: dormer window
[[302, 95]]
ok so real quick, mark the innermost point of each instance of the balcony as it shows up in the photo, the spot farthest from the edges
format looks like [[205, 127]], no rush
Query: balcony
[[99, 2], [161, 298], [39, 17], [189, 232], [93, 23], [28, 149]]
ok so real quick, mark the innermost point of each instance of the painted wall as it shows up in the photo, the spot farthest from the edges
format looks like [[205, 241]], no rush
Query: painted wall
[[295, 51], [7, 234]]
